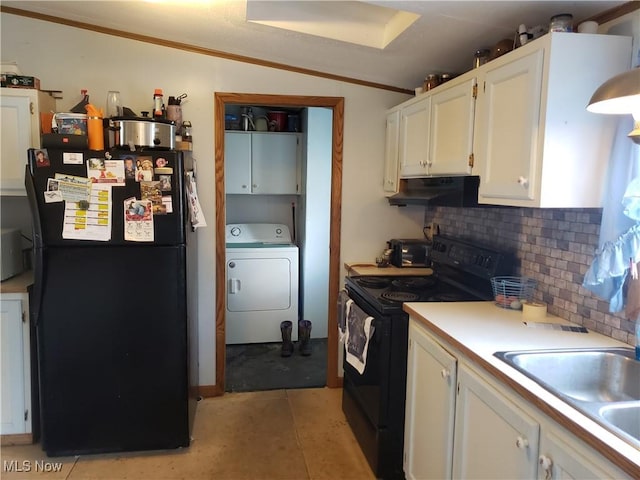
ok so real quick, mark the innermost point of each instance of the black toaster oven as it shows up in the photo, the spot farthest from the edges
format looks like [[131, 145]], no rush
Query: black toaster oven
[[409, 252]]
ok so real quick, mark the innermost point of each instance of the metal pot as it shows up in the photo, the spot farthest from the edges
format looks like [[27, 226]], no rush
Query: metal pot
[[144, 132]]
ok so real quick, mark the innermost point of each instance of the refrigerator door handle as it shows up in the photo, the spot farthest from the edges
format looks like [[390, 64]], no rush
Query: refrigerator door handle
[[234, 285], [33, 206], [38, 254], [38, 276]]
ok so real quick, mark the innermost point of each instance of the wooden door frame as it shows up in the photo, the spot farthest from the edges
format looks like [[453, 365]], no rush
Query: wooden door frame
[[337, 105]]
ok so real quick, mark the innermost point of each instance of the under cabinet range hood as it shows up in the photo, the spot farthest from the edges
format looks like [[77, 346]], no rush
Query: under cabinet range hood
[[457, 191]]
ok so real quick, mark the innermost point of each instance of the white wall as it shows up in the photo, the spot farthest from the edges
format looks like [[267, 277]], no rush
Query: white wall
[[71, 59], [314, 230]]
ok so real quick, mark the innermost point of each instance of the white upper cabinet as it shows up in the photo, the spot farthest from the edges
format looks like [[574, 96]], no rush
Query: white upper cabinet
[[436, 131], [261, 163], [451, 133], [274, 168], [391, 165], [20, 109], [535, 143], [414, 137], [520, 123], [237, 162]]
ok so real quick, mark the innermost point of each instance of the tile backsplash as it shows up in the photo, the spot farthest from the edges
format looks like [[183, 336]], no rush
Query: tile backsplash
[[554, 246]]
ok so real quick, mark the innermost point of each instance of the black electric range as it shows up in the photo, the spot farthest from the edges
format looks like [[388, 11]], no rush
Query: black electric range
[[374, 401]]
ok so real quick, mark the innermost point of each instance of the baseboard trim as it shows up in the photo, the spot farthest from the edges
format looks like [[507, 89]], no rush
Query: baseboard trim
[[210, 391], [16, 439]]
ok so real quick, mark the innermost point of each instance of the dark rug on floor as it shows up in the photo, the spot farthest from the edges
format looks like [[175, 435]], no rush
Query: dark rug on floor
[[259, 366]]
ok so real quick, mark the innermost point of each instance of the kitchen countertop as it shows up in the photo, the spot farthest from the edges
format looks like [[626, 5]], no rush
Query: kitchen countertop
[[478, 329], [18, 284], [373, 270]]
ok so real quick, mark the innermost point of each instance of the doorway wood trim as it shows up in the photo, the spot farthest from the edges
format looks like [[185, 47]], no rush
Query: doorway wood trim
[[337, 105]]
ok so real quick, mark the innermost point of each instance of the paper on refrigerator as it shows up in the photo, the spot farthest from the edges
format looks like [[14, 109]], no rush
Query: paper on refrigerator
[[92, 222], [195, 210], [138, 220], [72, 188]]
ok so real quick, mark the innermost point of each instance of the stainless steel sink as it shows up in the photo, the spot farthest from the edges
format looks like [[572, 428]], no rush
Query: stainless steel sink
[[624, 416], [602, 383], [611, 375]]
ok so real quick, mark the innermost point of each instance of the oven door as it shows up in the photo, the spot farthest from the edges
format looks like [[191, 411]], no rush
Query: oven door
[[369, 389]]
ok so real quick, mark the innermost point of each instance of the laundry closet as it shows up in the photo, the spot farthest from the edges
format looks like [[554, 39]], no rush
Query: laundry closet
[[278, 198]]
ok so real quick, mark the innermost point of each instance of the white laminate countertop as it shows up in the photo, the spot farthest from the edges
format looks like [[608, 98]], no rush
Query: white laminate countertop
[[478, 329]]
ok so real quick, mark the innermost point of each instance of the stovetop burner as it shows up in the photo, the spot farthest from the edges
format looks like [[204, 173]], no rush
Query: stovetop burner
[[374, 282], [387, 294], [400, 296], [413, 283], [448, 297]]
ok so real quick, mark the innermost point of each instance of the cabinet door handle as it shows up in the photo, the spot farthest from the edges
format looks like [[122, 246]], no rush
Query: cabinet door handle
[[546, 464], [445, 373], [523, 181], [522, 443], [255, 185], [244, 186]]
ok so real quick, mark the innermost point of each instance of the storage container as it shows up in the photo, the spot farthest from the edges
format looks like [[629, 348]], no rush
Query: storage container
[[71, 123]]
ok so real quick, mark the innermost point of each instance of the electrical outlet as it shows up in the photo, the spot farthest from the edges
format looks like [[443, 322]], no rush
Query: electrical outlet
[[430, 230]]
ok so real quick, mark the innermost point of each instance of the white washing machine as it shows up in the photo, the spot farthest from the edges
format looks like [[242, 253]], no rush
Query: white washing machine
[[262, 282]]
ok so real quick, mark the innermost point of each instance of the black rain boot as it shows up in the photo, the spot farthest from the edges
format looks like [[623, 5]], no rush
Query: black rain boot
[[287, 344], [304, 337]]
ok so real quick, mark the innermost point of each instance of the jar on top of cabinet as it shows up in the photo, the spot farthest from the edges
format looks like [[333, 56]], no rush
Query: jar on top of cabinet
[[431, 82]]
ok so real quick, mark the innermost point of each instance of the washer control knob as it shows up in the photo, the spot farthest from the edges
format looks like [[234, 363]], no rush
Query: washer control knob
[[278, 231], [235, 231]]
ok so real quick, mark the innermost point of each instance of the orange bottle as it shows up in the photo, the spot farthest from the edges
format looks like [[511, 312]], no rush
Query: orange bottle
[[95, 130]]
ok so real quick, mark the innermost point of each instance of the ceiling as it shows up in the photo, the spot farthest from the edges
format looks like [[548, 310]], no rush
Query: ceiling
[[442, 39]]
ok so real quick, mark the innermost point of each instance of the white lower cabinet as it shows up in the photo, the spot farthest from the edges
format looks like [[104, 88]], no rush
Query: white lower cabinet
[[493, 437], [462, 423], [15, 382], [560, 458], [430, 408]]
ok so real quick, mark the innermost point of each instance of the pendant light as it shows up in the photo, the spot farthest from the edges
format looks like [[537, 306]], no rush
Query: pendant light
[[620, 95]]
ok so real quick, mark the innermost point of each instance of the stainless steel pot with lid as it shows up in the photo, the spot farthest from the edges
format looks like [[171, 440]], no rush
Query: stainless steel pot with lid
[[143, 132]]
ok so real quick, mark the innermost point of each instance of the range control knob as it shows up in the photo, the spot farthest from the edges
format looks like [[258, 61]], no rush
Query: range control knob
[[439, 247]]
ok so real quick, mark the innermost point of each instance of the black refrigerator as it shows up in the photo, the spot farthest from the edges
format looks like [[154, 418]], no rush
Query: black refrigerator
[[110, 299]]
